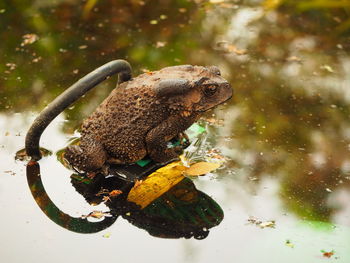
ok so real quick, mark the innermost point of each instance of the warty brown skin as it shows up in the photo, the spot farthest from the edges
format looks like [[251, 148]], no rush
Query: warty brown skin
[[141, 115]]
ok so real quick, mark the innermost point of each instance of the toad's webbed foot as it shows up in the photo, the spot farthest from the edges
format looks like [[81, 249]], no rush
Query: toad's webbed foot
[[86, 157]]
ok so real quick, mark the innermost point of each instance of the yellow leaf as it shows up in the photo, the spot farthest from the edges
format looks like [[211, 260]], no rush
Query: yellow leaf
[[156, 184], [201, 168]]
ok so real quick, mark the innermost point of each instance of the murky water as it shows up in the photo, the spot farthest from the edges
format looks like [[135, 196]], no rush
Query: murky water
[[284, 138]]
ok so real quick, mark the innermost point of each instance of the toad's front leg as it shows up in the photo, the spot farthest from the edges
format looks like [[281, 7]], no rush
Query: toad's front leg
[[157, 138]]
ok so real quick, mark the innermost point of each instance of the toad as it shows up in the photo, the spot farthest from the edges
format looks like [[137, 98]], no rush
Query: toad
[[140, 116]]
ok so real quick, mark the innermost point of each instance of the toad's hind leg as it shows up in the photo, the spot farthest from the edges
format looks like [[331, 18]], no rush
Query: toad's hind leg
[[88, 156], [127, 154]]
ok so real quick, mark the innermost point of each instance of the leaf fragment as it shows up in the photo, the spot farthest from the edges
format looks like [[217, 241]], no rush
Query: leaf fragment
[[267, 224], [289, 243], [160, 44], [115, 192], [96, 214], [294, 59], [107, 235], [327, 254], [10, 172], [327, 68], [254, 221], [29, 39], [106, 198], [201, 168]]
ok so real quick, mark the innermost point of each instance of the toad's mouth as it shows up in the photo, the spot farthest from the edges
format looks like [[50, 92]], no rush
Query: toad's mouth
[[203, 109]]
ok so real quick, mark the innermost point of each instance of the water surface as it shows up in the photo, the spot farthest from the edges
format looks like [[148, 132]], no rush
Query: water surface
[[284, 136]]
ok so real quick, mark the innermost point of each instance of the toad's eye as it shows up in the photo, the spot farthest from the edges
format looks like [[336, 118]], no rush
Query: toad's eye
[[210, 90]]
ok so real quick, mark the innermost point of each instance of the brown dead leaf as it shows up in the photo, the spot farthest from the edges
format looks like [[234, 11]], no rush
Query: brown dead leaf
[[96, 214], [261, 224], [115, 192], [11, 66], [215, 154], [36, 60], [237, 51], [102, 192], [10, 172], [294, 59], [227, 47], [328, 254], [213, 121], [201, 168], [160, 44], [29, 39], [270, 224]]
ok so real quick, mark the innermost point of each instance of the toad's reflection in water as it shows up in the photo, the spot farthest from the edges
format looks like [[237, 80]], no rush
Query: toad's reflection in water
[[176, 210]]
